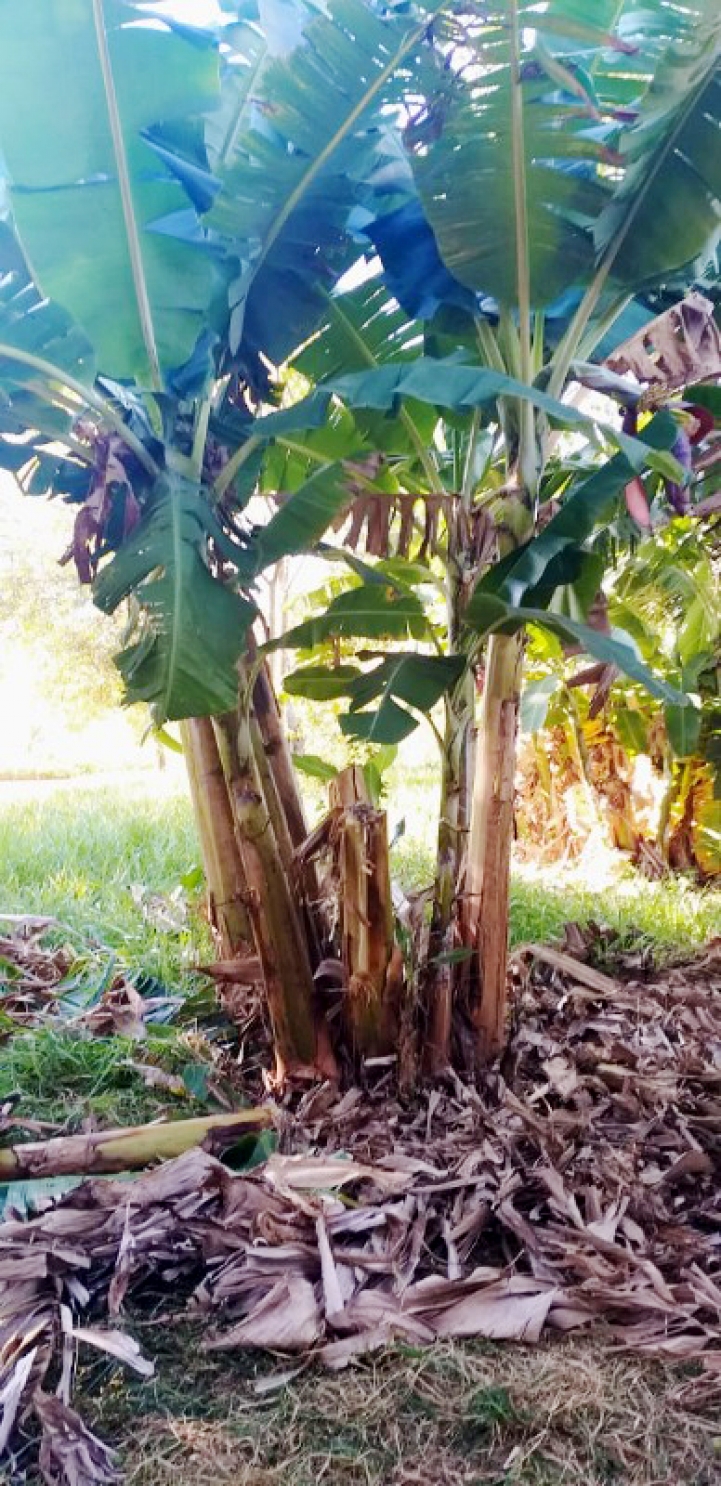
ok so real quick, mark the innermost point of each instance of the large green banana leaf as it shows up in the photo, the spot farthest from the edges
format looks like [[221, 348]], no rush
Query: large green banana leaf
[[362, 328], [294, 158], [192, 627], [402, 680], [447, 384], [463, 166], [81, 92], [504, 186], [666, 212], [418, 681]]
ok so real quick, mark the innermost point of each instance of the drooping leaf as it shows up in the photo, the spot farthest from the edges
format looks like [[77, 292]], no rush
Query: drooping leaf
[[390, 724], [632, 730], [683, 726], [314, 767], [369, 611], [447, 384], [535, 701], [615, 649], [321, 683], [303, 134], [304, 516], [192, 627]]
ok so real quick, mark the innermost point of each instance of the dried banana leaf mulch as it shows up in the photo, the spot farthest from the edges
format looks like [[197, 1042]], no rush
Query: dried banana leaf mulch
[[581, 1186]]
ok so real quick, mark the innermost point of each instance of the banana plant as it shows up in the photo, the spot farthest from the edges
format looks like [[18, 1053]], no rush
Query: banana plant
[[168, 236], [164, 241], [183, 227], [664, 593], [510, 280]]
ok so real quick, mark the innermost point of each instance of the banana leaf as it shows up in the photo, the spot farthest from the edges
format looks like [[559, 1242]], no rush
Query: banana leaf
[[82, 91], [192, 627]]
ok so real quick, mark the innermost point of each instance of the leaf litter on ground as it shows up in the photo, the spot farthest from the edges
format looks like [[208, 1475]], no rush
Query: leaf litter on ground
[[43, 981], [577, 1187]]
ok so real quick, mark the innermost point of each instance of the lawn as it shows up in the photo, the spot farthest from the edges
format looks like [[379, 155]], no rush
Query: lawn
[[117, 868], [105, 862]]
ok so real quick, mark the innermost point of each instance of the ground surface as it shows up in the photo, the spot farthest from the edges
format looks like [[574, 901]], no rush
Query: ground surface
[[122, 882], [573, 1414]]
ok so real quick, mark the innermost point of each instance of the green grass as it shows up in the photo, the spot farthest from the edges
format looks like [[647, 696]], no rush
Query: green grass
[[77, 856], [663, 916], [66, 1078], [667, 915]]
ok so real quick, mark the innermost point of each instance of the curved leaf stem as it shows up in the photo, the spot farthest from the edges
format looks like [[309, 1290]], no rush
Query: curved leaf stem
[[601, 328], [231, 133], [467, 482], [200, 435], [126, 196], [236, 462], [85, 395]]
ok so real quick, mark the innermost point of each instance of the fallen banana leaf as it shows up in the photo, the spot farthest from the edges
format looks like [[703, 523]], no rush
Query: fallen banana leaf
[[583, 1193], [569, 965], [107, 1151]]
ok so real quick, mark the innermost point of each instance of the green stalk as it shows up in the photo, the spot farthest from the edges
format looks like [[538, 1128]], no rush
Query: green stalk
[[200, 435], [527, 423], [230, 470], [488, 347], [467, 481]]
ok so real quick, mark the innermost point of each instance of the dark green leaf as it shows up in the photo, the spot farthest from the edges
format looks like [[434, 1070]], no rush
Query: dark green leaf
[[192, 627], [390, 724], [369, 611], [195, 1078], [683, 725], [632, 730], [664, 214], [304, 516], [314, 767], [534, 702], [321, 683]]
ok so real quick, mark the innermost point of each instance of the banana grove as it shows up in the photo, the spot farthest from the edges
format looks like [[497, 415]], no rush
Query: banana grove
[[438, 281]]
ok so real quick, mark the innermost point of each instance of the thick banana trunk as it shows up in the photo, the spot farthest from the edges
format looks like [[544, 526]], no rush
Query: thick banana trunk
[[214, 820], [273, 908], [487, 884], [366, 914]]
